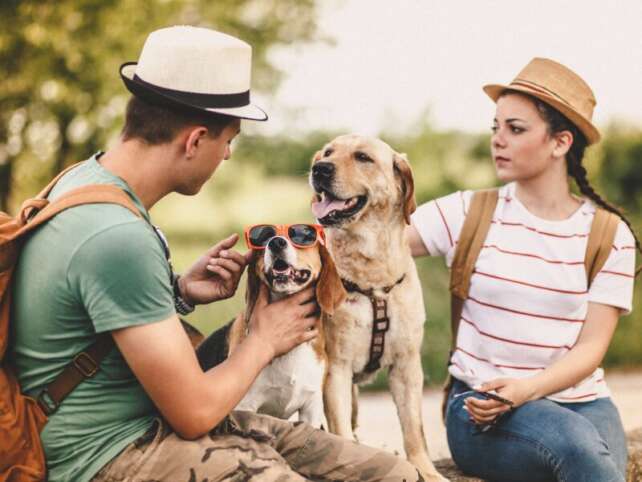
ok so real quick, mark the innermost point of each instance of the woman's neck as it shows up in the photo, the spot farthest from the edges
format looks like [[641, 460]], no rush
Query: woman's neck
[[547, 197]]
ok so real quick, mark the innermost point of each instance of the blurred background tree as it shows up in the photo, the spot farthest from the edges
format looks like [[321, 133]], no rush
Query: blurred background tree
[[61, 100]]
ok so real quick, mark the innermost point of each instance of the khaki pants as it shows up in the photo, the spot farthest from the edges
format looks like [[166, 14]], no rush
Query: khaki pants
[[251, 447]]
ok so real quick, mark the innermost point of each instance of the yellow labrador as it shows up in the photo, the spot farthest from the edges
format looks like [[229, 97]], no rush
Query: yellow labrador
[[364, 198]]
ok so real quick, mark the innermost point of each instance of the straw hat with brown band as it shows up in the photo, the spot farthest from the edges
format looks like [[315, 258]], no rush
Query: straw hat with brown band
[[559, 87]]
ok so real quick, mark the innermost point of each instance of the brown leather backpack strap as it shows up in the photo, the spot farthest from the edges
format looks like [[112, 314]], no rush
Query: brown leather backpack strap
[[471, 239], [89, 194], [84, 365], [600, 242]]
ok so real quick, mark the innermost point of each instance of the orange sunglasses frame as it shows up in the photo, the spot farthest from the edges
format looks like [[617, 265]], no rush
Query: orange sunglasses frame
[[282, 230]]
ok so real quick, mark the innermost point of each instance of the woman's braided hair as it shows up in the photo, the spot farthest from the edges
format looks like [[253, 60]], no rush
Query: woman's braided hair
[[558, 122]]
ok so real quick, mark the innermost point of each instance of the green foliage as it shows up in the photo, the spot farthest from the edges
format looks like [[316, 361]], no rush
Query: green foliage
[[61, 97]]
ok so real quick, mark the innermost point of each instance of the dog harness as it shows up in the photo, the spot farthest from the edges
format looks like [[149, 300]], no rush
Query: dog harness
[[380, 324]]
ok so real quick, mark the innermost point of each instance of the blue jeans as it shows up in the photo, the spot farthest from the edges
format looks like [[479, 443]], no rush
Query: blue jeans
[[540, 441]]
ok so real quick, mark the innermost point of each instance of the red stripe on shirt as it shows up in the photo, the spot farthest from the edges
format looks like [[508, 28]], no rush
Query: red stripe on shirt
[[494, 364], [515, 342], [626, 275], [445, 223], [535, 315], [529, 255], [545, 233], [509, 280]]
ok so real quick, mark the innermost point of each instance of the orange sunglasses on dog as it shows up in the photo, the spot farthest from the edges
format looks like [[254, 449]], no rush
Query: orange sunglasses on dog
[[300, 235]]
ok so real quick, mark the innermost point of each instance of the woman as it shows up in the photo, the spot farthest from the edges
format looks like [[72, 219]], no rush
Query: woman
[[531, 331]]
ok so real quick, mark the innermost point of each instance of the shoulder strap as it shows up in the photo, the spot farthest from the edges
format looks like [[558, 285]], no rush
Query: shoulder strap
[[600, 242], [36, 211], [472, 236], [33, 213]]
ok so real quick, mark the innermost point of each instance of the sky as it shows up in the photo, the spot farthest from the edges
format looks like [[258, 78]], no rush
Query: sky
[[392, 63]]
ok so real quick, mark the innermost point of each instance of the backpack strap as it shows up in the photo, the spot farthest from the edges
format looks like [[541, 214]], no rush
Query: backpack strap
[[471, 238], [35, 212], [600, 242]]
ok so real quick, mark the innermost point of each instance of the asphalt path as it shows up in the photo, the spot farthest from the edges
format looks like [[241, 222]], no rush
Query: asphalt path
[[379, 425]]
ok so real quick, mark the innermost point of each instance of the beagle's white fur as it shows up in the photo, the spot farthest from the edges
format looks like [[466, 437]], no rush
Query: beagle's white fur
[[364, 198], [291, 383]]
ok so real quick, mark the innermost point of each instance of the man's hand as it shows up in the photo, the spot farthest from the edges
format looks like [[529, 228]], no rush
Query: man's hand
[[216, 274], [286, 323]]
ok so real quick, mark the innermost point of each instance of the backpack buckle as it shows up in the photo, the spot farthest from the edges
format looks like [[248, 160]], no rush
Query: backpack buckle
[[47, 403], [85, 364]]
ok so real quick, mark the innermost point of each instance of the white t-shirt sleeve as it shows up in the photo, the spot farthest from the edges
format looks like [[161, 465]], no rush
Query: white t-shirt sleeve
[[439, 222], [613, 285]]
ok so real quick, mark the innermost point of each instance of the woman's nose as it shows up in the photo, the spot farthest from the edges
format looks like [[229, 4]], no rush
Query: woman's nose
[[497, 139]]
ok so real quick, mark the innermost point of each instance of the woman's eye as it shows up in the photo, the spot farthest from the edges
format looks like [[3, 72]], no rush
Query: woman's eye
[[494, 129], [362, 157], [516, 130]]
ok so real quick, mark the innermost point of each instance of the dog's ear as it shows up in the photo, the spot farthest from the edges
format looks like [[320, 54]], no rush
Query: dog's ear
[[253, 285], [402, 168], [330, 290]]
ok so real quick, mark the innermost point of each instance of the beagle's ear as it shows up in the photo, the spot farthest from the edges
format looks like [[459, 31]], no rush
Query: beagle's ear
[[403, 170], [330, 290], [253, 285]]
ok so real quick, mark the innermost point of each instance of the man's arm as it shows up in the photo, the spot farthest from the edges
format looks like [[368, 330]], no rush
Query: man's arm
[[417, 246], [193, 401]]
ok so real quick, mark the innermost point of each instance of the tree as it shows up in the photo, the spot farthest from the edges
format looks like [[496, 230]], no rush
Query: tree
[[61, 98]]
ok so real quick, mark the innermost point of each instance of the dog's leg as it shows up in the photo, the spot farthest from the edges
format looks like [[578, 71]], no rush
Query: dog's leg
[[355, 407], [406, 385], [337, 393]]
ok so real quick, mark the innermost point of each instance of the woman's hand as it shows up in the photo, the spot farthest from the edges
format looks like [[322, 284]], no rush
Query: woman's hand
[[518, 391]]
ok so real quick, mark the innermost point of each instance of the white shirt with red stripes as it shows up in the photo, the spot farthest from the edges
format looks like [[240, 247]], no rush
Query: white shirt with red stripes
[[528, 294]]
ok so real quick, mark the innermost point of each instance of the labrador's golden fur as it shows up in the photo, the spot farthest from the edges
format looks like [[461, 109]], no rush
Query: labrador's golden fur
[[366, 239]]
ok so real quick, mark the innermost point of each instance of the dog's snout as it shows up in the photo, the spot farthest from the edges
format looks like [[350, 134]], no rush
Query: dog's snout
[[277, 243], [323, 170]]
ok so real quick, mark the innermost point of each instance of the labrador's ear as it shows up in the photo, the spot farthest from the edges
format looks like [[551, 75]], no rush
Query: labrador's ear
[[253, 285], [403, 170], [330, 290]]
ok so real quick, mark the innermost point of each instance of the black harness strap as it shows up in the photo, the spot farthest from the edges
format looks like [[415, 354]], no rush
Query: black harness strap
[[380, 325]]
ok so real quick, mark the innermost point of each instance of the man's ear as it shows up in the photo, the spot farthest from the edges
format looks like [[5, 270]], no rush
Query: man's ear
[[330, 290], [192, 139], [253, 285], [403, 170]]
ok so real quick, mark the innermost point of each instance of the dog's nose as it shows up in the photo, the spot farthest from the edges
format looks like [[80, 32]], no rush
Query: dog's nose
[[323, 170], [277, 243]]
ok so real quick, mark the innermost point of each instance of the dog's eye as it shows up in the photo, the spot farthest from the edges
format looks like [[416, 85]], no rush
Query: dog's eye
[[362, 157], [327, 153]]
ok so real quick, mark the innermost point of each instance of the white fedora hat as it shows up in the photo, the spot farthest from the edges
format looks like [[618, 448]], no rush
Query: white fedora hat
[[194, 68]]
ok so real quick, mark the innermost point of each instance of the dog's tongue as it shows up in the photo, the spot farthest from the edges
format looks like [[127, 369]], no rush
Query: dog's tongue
[[320, 209]]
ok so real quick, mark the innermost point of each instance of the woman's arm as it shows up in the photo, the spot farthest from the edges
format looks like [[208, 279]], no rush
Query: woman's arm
[[417, 246], [581, 360]]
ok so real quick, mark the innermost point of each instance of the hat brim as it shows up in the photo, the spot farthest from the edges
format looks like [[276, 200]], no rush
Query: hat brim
[[584, 125], [160, 96]]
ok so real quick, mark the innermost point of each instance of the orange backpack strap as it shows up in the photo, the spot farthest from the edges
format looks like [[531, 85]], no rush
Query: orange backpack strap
[[35, 212], [600, 242], [471, 238]]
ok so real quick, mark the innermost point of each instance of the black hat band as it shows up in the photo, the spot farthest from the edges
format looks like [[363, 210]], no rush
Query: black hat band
[[240, 99]]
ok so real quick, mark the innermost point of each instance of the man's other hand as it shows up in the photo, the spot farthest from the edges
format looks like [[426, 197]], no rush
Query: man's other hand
[[216, 274]]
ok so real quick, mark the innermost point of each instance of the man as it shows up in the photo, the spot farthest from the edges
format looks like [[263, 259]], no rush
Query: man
[[149, 412]]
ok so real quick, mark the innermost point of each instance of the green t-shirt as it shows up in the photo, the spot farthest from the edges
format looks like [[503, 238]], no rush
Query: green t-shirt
[[92, 269]]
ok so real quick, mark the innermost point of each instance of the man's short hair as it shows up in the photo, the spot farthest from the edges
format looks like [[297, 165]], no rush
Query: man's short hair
[[156, 124]]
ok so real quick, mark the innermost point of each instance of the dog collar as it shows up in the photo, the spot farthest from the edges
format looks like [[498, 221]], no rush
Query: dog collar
[[352, 287]]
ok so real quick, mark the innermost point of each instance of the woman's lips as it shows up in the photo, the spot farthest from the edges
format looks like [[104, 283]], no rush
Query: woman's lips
[[501, 160]]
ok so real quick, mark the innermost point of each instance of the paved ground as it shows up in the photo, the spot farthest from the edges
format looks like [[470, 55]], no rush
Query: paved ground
[[379, 426]]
